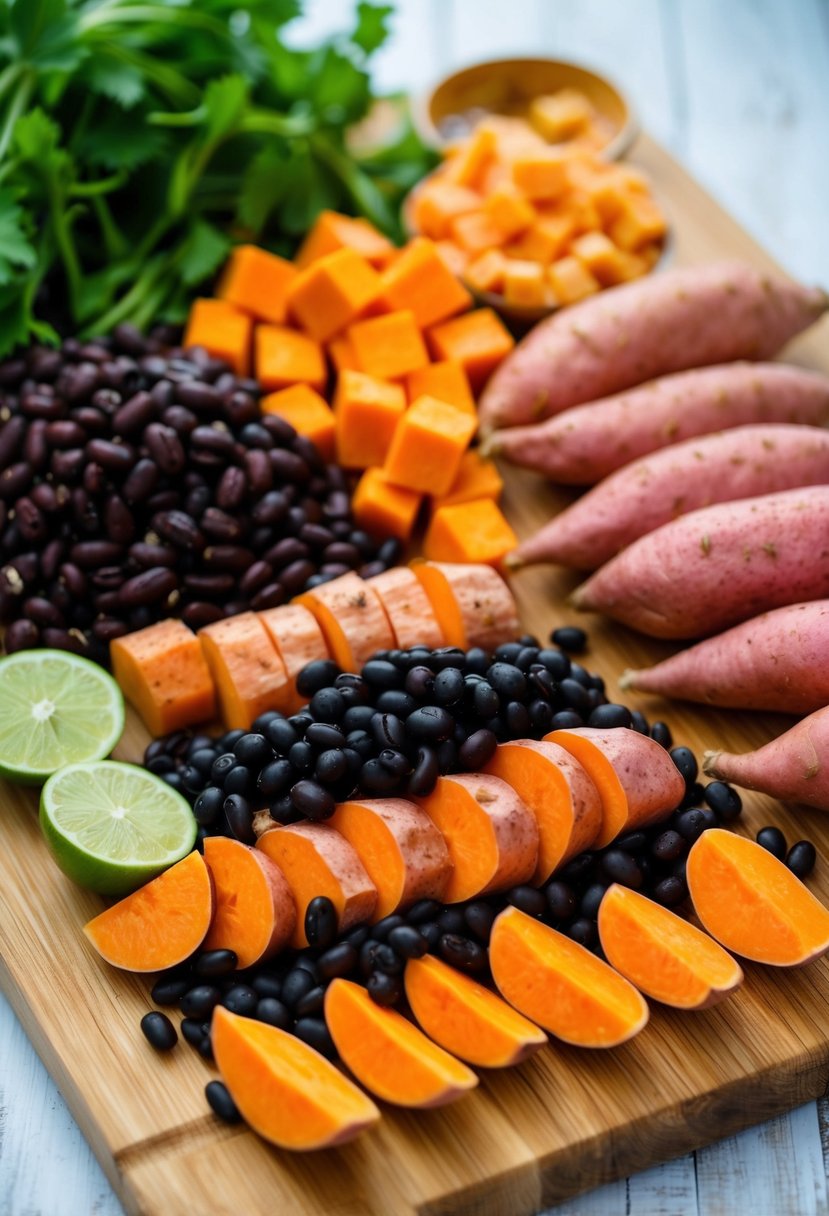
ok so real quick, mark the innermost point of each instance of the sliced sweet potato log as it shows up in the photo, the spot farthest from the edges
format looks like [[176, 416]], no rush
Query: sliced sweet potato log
[[255, 912], [162, 672], [562, 797], [404, 854], [561, 985], [491, 836], [352, 619], [249, 674], [467, 1019], [298, 640], [159, 925], [388, 1054], [407, 606], [472, 603], [637, 780], [287, 1092], [317, 860], [752, 903], [662, 954]]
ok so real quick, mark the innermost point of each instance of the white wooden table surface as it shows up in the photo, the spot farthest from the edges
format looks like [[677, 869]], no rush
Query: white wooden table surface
[[738, 91]]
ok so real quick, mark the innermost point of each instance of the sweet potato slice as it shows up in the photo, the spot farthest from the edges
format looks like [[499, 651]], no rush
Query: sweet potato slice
[[662, 954], [162, 672], [404, 854], [561, 985], [467, 1019], [255, 912], [287, 1092], [491, 835], [159, 925], [473, 604], [637, 780], [317, 860], [298, 640], [250, 676], [560, 794], [388, 1054], [352, 619], [752, 903], [407, 606]]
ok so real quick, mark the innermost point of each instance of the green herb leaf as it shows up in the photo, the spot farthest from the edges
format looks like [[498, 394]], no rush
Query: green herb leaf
[[15, 250], [202, 252], [120, 141], [121, 82], [372, 26], [264, 186], [224, 105]]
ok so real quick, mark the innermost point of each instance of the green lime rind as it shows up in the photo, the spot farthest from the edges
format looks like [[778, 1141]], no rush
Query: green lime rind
[[56, 708], [111, 827]]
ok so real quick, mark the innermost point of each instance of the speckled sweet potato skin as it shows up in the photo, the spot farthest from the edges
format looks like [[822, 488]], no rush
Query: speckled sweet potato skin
[[743, 463], [791, 767], [718, 566], [690, 317]]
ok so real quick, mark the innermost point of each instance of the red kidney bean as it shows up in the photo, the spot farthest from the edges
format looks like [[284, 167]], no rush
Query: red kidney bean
[[371, 568], [42, 612], [271, 596], [270, 508], [65, 639], [315, 535], [108, 578], [148, 587], [258, 471], [93, 421], [163, 500], [285, 551], [203, 398], [107, 400], [232, 558], [278, 427], [90, 554], [309, 452], [94, 478], [106, 602], [12, 372], [294, 577], [207, 460], [65, 434], [42, 405], [146, 555], [337, 505], [334, 569], [213, 439], [51, 557], [107, 628], [12, 434], [219, 525], [74, 580], [164, 446], [67, 466], [15, 480], [30, 520], [35, 447], [287, 466], [255, 578], [118, 457], [182, 420], [21, 634], [78, 381], [178, 528], [95, 352], [231, 489], [135, 414], [240, 408], [342, 551], [212, 585], [118, 520], [198, 614], [141, 481]]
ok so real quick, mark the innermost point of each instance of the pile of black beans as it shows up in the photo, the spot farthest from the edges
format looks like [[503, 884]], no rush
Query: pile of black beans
[[139, 480]]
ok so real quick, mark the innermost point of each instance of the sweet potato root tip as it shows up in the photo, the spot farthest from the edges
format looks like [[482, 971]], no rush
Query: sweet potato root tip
[[790, 767]]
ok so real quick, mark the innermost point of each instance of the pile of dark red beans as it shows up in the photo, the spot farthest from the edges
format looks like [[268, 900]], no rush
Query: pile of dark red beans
[[139, 480]]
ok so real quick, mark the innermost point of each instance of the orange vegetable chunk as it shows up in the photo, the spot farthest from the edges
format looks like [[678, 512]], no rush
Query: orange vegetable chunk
[[561, 985], [638, 781], [159, 925], [389, 347], [561, 115], [332, 231], [222, 330], [445, 380], [408, 608], [388, 1054], [473, 604], [662, 954], [476, 232], [384, 509], [486, 273], [420, 280], [332, 292], [509, 210], [571, 280], [602, 258], [352, 619], [366, 413], [473, 531], [249, 674], [403, 852], [752, 903], [308, 413], [466, 1018], [477, 478], [466, 167], [318, 860], [285, 357], [162, 671], [639, 222], [341, 354], [541, 175], [454, 257], [491, 835], [298, 640], [427, 446], [437, 203], [546, 239], [558, 792], [524, 284], [479, 341], [255, 913], [257, 282], [288, 1093]]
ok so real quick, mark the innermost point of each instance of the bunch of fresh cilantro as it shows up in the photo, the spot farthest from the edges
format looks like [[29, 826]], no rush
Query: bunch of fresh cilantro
[[139, 140]]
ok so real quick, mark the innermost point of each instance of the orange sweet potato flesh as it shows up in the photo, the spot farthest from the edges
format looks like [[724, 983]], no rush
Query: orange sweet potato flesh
[[255, 913], [638, 781], [467, 1019], [388, 1054], [473, 604], [559, 793], [159, 925], [752, 903], [298, 640], [317, 860], [288, 1093], [407, 606], [250, 676], [561, 985], [662, 954], [352, 619], [162, 672], [491, 836], [403, 853]]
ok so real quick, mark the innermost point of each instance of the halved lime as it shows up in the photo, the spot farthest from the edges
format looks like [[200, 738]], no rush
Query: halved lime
[[55, 709], [113, 826]]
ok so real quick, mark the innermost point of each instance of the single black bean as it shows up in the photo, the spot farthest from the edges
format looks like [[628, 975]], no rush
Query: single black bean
[[294, 576], [200, 613], [384, 989], [406, 941], [313, 800], [134, 414], [375, 778], [583, 930], [327, 705], [479, 917], [590, 900], [772, 839], [570, 638], [43, 612], [605, 716], [686, 762], [239, 817], [723, 800], [194, 1030], [396, 762], [320, 922], [423, 910], [168, 990], [462, 953], [561, 902], [315, 1033], [338, 960], [691, 824], [241, 999], [141, 481], [669, 846], [670, 891], [159, 1031], [574, 695], [311, 1003], [200, 1001], [632, 842], [208, 805], [430, 723], [424, 778], [213, 963], [528, 899], [149, 587], [801, 858], [221, 1103], [165, 447], [389, 731], [620, 867], [273, 1011]]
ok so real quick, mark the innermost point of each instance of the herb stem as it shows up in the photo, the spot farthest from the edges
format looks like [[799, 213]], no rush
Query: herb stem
[[17, 107]]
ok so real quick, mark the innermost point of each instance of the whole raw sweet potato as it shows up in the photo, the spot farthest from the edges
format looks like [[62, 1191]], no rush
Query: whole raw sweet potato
[[778, 661], [582, 445], [699, 574], [791, 767], [640, 497], [690, 317]]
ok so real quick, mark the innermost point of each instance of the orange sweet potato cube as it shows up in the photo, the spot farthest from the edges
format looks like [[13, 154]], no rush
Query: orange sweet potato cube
[[427, 447], [420, 280], [524, 285], [541, 175], [384, 509], [486, 272], [341, 353], [478, 341], [389, 347], [477, 478], [332, 231], [474, 531], [604, 260], [332, 292], [639, 222], [571, 280], [561, 115], [509, 210], [257, 282], [454, 257], [307, 412], [476, 232], [222, 330], [437, 203], [445, 380], [366, 414], [285, 356], [544, 240], [472, 158]]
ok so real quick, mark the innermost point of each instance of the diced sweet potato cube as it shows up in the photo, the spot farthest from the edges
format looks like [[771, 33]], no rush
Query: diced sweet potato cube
[[427, 447], [341, 353], [222, 330], [162, 671], [486, 272], [604, 260], [285, 357], [389, 347], [583, 213], [384, 509], [476, 232], [541, 175], [257, 282], [437, 202], [454, 257], [509, 210], [545, 240], [524, 284], [366, 413], [571, 280], [478, 341], [445, 380], [561, 115], [473, 531], [475, 154], [477, 478], [332, 292], [640, 222], [332, 231], [307, 412], [419, 280]]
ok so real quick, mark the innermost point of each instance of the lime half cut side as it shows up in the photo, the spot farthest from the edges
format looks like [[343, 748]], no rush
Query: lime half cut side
[[113, 826], [55, 708]]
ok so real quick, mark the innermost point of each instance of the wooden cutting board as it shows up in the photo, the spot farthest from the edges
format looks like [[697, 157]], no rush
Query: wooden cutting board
[[563, 1122]]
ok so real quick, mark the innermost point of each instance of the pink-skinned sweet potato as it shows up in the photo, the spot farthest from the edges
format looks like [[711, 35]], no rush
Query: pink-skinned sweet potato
[[717, 566], [582, 445], [791, 767], [778, 661], [743, 463], [690, 317]]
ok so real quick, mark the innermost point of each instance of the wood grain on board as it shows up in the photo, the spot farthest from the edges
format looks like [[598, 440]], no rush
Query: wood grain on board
[[561, 1123]]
